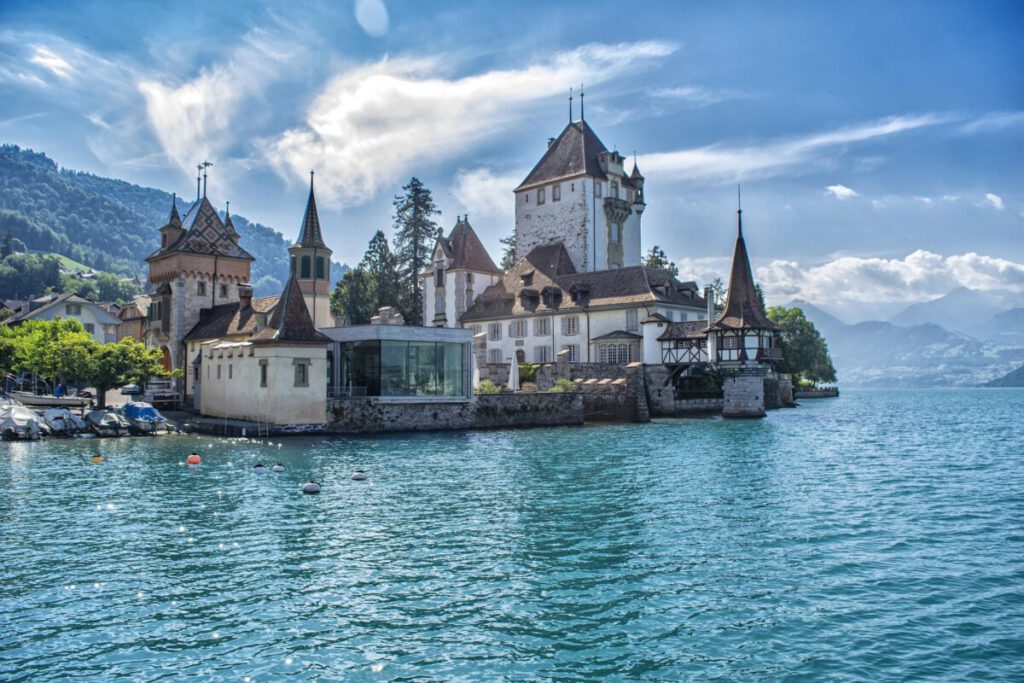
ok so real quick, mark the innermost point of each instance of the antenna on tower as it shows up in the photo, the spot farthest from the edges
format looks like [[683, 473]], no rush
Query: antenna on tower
[[205, 165], [739, 213], [570, 104], [199, 171], [581, 101]]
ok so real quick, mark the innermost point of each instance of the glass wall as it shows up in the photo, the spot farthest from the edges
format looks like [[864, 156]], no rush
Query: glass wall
[[401, 368]]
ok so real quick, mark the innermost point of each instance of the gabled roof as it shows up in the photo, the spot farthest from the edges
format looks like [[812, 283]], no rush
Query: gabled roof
[[27, 312], [310, 234], [290, 321], [465, 249], [743, 308], [230, 320], [574, 152], [690, 329], [206, 234]]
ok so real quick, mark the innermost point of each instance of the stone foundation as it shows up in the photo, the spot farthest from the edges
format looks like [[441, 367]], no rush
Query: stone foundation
[[743, 392], [368, 415]]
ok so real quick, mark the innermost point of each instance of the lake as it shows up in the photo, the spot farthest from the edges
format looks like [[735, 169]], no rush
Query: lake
[[877, 536]]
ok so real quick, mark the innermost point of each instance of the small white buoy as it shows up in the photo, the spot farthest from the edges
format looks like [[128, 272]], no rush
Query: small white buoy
[[311, 488], [277, 468], [258, 467], [359, 475]]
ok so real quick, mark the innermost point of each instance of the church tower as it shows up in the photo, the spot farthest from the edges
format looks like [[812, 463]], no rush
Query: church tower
[[580, 195], [311, 265]]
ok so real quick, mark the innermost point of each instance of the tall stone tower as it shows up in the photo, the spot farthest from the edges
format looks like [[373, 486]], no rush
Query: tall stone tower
[[199, 265], [311, 265], [579, 194]]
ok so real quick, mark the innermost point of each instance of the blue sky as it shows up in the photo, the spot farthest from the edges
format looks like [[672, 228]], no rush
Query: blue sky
[[879, 144]]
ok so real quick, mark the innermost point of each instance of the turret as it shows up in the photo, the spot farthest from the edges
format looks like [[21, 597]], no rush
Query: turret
[[172, 232], [311, 264], [637, 179]]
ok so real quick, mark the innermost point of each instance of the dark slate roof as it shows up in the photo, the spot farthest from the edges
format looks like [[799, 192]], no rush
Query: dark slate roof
[[656, 318], [636, 172], [310, 234], [206, 234], [742, 307], [229, 320], [545, 281], [465, 249], [691, 329], [290, 321], [574, 152], [229, 224], [175, 220]]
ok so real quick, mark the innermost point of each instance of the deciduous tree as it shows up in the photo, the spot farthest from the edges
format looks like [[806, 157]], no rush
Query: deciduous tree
[[804, 350], [353, 297]]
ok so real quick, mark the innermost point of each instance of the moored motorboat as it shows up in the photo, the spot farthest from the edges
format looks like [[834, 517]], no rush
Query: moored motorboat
[[18, 422], [106, 422], [62, 422], [47, 401], [143, 418]]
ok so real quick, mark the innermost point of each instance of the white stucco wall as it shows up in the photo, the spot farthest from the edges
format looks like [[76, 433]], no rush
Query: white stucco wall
[[104, 325], [455, 287], [237, 392]]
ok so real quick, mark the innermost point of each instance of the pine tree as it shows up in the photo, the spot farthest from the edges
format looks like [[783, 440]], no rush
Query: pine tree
[[415, 232], [656, 258], [382, 268], [508, 255]]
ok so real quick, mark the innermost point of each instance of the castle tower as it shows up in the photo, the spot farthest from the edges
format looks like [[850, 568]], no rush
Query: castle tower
[[742, 340], [199, 265], [311, 265], [579, 194]]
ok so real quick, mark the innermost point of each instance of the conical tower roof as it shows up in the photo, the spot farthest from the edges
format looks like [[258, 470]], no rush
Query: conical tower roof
[[175, 220], [310, 234], [743, 309], [290, 321]]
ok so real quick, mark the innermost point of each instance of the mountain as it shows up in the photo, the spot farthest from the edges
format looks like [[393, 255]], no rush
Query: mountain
[[882, 354], [1014, 378], [1003, 328], [111, 224], [961, 310]]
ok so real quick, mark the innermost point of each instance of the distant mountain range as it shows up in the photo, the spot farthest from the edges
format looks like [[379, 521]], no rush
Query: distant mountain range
[[111, 224], [1014, 378], [922, 353]]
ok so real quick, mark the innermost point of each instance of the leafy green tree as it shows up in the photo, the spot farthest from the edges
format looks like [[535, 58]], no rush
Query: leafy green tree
[[8, 247], [656, 258], [415, 233], [718, 290], [353, 297], [508, 254], [125, 362], [804, 350], [381, 268], [112, 288]]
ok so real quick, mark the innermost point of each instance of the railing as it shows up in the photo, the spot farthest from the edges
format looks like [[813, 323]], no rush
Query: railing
[[616, 204], [774, 353]]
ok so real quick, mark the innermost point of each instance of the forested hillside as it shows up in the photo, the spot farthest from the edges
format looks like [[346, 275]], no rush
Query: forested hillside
[[109, 224]]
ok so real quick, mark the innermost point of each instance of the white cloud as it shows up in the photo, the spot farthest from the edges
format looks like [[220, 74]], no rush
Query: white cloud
[[722, 163], [994, 121], [197, 119], [486, 194], [950, 197], [924, 200], [372, 16], [51, 61], [841, 191], [995, 200], [920, 276], [371, 124], [695, 96]]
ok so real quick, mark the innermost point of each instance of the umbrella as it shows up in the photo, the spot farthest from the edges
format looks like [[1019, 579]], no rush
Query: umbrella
[[513, 374]]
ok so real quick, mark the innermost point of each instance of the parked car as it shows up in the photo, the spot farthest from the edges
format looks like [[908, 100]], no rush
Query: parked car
[[131, 390]]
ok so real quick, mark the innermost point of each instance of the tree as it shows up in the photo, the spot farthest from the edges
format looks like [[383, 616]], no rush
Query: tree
[[656, 258], [382, 270], [8, 247], [124, 362], [718, 290], [110, 287], [353, 298], [415, 232], [804, 350], [508, 254]]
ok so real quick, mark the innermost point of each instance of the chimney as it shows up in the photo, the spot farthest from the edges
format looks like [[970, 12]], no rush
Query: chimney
[[551, 141], [710, 297], [244, 297]]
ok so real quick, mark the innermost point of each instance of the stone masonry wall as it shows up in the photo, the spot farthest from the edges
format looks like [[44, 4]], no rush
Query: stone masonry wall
[[744, 393], [367, 415]]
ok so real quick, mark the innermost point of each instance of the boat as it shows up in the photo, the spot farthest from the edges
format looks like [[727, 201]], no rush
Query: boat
[[143, 418], [18, 422], [106, 422], [47, 401], [62, 422]]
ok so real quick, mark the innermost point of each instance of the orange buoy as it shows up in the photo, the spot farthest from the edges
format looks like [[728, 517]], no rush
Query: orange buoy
[[193, 459]]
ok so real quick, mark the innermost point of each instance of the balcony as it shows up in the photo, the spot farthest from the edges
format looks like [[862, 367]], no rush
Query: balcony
[[772, 354], [617, 210]]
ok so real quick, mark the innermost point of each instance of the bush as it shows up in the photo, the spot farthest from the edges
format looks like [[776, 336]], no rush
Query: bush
[[528, 372], [563, 386], [486, 386]]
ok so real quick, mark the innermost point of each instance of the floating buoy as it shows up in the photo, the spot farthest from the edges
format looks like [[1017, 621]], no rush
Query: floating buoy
[[277, 468], [97, 459], [193, 459], [311, 488], [359, 475], [258, 467]]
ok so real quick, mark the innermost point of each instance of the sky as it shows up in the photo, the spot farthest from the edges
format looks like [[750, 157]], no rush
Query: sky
[[880, 146]]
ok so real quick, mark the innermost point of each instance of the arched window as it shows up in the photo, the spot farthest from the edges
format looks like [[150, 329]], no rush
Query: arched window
[[320, 268], [305, 267], [293, 265]]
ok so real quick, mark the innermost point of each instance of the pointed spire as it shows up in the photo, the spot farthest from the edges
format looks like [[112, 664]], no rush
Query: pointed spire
[[570, 104], [739, 214], [175, 219], [581, 103], [228, 223], [290, 321], [743, 308], [310, 234]]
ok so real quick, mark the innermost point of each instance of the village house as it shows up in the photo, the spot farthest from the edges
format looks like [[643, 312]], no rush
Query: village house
[[97, 320], [461, 269]]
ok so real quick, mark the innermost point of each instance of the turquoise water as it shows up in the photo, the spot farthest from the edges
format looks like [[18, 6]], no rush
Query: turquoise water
[[878, 536]]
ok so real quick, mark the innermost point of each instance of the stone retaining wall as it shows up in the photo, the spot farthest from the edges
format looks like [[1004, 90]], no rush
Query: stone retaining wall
[[366, 415]]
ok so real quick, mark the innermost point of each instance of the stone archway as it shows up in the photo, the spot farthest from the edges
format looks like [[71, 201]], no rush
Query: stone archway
[[165, 360], [520, 356]]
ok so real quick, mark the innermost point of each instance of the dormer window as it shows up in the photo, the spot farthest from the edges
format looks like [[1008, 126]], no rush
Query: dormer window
[[163, 240], [527, 278]]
